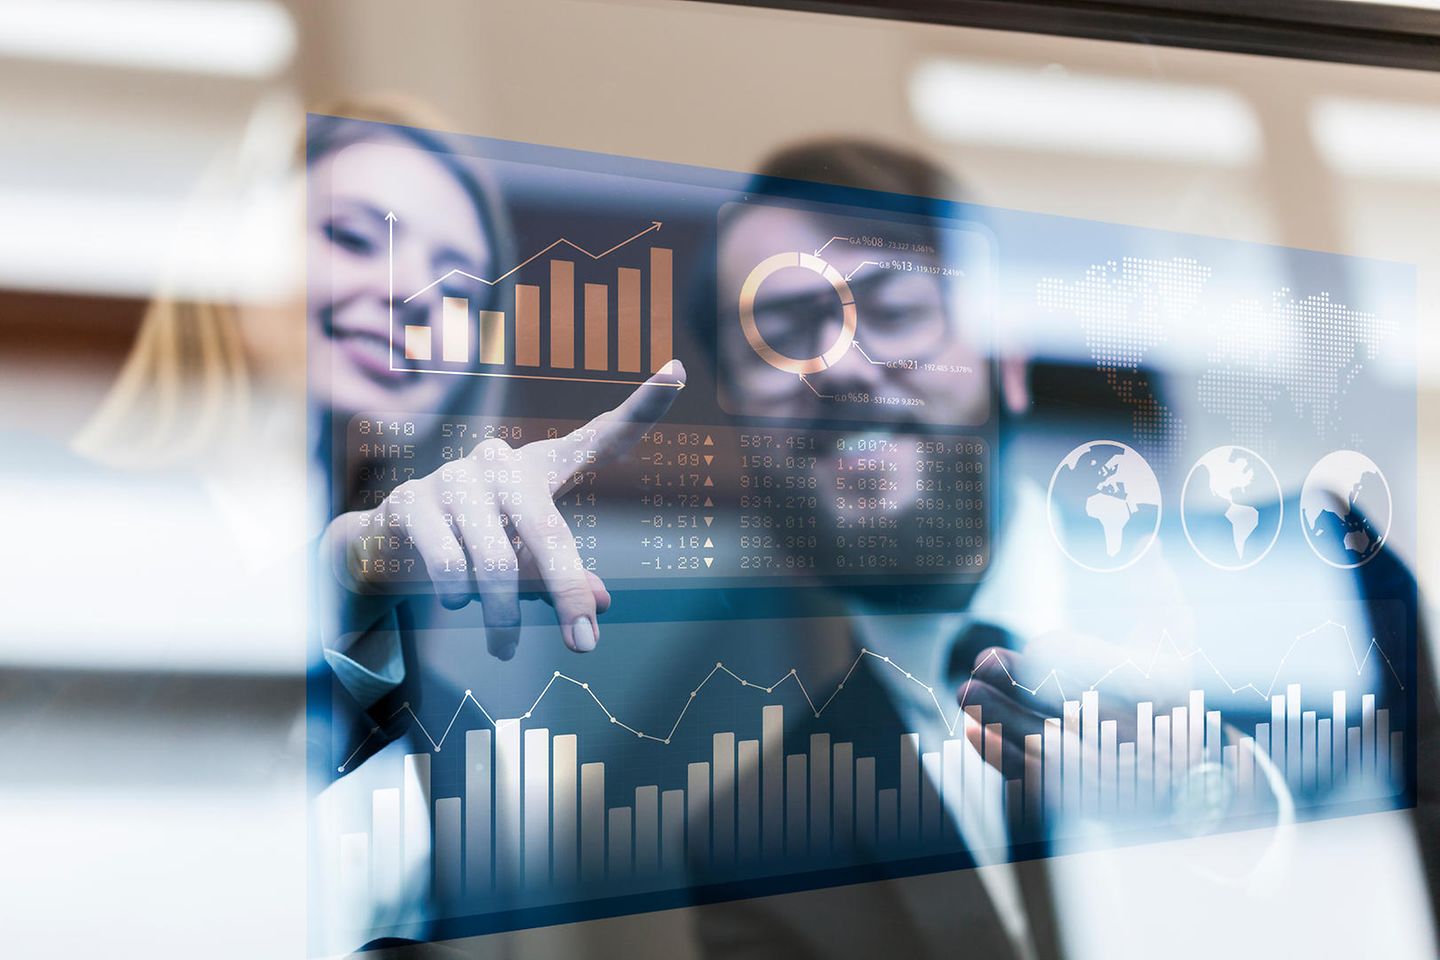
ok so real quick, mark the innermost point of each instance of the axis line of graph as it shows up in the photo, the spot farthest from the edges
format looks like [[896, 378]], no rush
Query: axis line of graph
[[669, 385], [950, 722], [563, 241]]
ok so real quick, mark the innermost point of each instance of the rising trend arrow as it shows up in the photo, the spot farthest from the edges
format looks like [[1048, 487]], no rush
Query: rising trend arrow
[[654, 225]]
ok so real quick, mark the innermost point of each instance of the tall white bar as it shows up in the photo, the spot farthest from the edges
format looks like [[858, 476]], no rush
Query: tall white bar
[[1337, 731], [909, 787], [747, 801], [672, 831], [647, 830], [972, 807], [1179, 751], [1261, 744], [1125, 800], [564, 752], [697, 813], [865, 830], [1070, 775], [592, 822], [722, 799], [819, 792], [1325, 746], [477, 812], [507, 804], [1053, 735], [537, 808], [1195, 749], [796, 836], [619, 859], [1307, 750], [930, 781], [1277, 733], [1294, 759], [1034, 777], [772, 781], [385, 846], [354, 867], [415, 852], [1090, 751], [1109, 785], [886, 815], [448, 849], [1144, 754], [1162, 760], [843, 821], [1367, 735]]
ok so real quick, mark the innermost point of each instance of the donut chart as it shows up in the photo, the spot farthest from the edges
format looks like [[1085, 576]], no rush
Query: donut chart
[[805, 261]]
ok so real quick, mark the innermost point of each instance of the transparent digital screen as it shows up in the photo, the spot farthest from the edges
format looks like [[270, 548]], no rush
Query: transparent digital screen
[[881, 580]]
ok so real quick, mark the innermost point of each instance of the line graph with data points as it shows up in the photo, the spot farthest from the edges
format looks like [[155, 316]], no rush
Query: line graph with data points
[[951, 721]]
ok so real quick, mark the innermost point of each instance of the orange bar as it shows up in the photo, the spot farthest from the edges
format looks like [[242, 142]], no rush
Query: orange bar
[[492, 336], [597, 321], [562, 314], [527, 325], [661, 345], [628, 319], [417, 342]]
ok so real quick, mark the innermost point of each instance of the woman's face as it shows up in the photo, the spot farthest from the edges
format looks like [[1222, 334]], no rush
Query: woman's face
[[436, 229]]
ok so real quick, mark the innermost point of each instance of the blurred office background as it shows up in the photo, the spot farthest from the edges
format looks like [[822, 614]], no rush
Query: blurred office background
[[152, 800]]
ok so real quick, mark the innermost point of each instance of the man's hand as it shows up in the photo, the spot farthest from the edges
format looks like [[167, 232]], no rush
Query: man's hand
[[1023, 690]]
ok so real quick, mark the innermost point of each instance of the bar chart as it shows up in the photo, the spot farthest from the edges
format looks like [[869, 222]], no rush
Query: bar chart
[[611, 322], [543, 818]]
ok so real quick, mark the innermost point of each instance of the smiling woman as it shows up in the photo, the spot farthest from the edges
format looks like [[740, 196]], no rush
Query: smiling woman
[[441, 215], [186, 388]]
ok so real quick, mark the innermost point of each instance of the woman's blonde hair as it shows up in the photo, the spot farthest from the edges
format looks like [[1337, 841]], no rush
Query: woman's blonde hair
[[185, 386]]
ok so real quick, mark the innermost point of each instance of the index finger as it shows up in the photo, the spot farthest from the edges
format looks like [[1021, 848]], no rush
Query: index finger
[[615, 431]]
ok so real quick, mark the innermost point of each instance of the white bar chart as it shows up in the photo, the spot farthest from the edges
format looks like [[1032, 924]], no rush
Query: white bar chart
[[537, 815]]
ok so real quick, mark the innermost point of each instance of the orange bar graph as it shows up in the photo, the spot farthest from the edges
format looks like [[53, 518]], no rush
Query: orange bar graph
[[597, 322], [661, 344], [627, 317], [562, 314], [527, 325]]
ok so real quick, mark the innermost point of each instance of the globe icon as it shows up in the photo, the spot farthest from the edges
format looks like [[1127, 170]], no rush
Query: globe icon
[[1345, 508], [1231, 507], [1104, 506]]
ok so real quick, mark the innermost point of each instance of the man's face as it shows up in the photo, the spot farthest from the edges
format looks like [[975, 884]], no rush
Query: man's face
[[911, 359]]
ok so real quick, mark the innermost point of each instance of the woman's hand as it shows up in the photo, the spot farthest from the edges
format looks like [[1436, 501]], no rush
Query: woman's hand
[[485, 528]]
